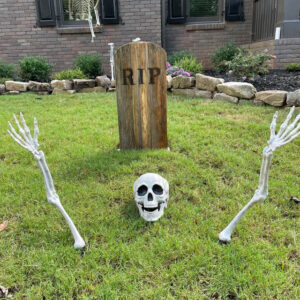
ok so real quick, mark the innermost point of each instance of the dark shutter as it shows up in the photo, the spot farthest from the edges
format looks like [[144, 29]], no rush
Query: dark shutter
[[45, 13], [235, 10], [109, 12], [177, 11]]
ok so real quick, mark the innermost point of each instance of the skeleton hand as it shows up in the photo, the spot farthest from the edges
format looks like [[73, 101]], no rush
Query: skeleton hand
[[26, 141], [286, 134]]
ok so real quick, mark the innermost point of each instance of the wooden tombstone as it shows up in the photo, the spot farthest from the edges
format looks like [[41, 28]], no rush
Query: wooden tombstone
[[142, 96]]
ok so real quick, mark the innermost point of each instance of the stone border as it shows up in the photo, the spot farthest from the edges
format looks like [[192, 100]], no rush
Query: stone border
[[236, 92], [100, 84]]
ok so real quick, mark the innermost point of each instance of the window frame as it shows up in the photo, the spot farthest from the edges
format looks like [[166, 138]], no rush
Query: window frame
[[215, 19]]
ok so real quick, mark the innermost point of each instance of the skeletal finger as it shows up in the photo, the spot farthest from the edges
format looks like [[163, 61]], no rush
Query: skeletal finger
[[285, 123], [36, 132], [15, 133], [26, 128], [17, 140], [273, 125], [292, 133], [291, 127], [21, 130], [291, 138]]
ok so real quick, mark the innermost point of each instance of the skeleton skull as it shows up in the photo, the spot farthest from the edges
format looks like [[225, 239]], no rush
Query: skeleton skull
[[151, 193]]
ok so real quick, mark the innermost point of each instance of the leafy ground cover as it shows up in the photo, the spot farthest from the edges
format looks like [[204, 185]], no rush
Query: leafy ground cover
[[212, 168]]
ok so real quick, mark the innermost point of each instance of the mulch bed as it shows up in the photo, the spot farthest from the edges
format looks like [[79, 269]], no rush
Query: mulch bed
[[275, 80]]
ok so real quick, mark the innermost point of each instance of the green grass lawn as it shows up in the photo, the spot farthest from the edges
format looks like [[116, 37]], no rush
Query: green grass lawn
[[213, 169]]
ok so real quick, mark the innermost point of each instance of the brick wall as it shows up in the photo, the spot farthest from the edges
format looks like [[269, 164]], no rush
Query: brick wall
[[204, 41], [286, 50], [20, 37]]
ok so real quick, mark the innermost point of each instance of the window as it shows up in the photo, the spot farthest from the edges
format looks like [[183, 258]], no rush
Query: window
[[204, 10], [75, 12]]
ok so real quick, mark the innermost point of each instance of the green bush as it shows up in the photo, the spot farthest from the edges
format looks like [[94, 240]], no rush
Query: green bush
[[7, 70], [2, 80], [292, 67], [89, 64], [190, 65], [70, 75], [224, 55], [249, 65], [35, 68], [177, 56]]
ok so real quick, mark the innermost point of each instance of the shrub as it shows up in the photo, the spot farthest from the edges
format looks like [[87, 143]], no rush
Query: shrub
[[249, 65], [292, 67], [7, 70], [35, 68], [190, 64], [175, 71], [224, 55], [70, 75], [2, 80], [177, 56], [89, 64]]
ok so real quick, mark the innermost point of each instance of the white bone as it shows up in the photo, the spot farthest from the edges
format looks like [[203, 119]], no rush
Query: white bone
[[112, 62], [31, 144], [286, 134]]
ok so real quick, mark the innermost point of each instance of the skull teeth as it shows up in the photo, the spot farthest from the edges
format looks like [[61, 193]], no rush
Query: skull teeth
[[150, 209]]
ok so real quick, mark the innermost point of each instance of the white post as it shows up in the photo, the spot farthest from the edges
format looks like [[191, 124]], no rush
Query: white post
[[112, 61]]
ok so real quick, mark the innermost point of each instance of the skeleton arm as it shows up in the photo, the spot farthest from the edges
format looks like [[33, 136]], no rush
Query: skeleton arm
[[96, 10], [25, 140], [286, 134]]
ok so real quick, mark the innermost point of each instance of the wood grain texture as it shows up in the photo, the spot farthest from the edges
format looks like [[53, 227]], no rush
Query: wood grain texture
[[140, 70]]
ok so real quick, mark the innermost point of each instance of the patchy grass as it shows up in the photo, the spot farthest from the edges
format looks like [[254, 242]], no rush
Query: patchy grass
[[213, 170]]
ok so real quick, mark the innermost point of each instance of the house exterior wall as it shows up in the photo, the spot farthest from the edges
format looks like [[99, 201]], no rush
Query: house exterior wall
[[204, 40], [20, 36]]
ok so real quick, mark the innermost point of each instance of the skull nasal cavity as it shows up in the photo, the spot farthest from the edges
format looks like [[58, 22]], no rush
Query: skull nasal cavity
[[150, 197]]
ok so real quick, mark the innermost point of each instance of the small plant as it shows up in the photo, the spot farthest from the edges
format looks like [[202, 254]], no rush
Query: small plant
[[190, 64], [70, 75], [175, 71], [177, 56], [224, 55], [89, 64], [292, 67], [35, 68], [7, 70], [2, 80], [249, 65]]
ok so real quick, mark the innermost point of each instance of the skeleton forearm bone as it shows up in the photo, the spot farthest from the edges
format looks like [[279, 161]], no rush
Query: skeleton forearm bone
[[26, 141], [285, 135]]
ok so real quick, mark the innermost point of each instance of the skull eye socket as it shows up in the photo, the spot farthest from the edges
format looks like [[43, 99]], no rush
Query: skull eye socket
[[157, 189], [142, 190]]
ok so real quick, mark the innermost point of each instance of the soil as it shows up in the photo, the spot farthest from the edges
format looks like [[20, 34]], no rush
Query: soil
[[275, 80]]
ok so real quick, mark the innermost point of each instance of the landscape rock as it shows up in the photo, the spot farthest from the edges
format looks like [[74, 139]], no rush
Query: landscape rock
[[35, 86], [293, 98], [113, 83], [222, 96], [62, 91], [2, 88], [84, 83], [97, 89], [12, 93], [16, 86], [169, 82], [103, 81], [62, 84], [237, 89], [192, 93], [183, 82], [207, 83], [258, 102], [274, 98]]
